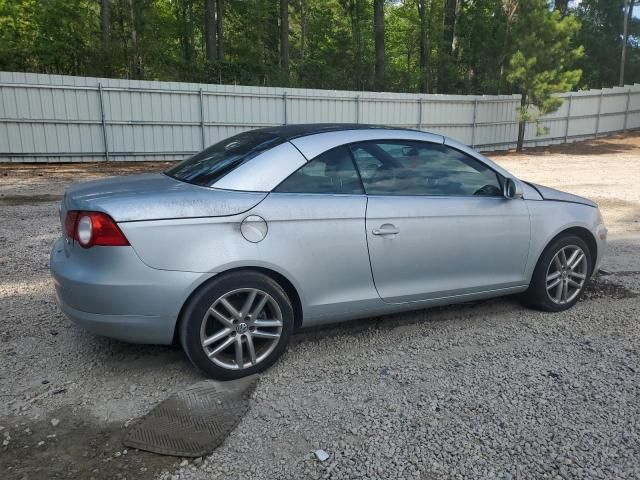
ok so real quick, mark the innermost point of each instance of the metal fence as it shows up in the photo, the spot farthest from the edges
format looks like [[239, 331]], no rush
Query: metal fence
[[53, 118]]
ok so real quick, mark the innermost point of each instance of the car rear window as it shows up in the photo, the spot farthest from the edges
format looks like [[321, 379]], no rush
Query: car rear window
[[213, 163]]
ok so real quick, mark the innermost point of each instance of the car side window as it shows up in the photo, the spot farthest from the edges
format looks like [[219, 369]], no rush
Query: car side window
[[330, 172], [420, 168]]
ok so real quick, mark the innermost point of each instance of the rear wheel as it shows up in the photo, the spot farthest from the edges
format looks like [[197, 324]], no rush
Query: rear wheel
[[561, 275], [237, 325]]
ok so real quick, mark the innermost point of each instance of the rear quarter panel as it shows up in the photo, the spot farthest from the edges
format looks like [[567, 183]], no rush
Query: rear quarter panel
[[318, 244]]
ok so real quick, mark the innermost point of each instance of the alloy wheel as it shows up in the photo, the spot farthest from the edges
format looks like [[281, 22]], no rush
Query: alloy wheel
[[566, 274], [241, 328]]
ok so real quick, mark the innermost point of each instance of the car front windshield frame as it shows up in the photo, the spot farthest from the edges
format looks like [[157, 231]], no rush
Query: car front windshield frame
[[211, 164]]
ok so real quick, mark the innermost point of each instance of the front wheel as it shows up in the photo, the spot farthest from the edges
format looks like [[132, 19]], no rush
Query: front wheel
[[237, 325], [561, 275]]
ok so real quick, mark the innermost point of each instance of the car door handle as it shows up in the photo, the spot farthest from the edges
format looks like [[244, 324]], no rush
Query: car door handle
[[386, 229]]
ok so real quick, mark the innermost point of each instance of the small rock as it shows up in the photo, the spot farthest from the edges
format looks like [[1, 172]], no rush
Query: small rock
[[55, 422], [184, 463], [321, 455]]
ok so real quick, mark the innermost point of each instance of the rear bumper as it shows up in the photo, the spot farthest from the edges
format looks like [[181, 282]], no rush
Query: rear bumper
[[128, 328], [110, 292]]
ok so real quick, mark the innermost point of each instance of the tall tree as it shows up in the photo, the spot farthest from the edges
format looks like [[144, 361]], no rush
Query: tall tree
[[448, 36], [105, 31], [220, 28], [284, 40], [210, 28], [423, 49], [378, 31], [510, 9], [625, 33], [542, 61], [136, 69], [105, 22]]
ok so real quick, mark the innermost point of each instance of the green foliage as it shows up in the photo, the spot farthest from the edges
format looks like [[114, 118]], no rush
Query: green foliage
[[601, 37], [331, 44]]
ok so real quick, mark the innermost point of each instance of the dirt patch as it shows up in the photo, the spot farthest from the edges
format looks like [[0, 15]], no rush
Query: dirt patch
[[600, 288], [613, 144], [28, 199], [72, 446], [71, 171]]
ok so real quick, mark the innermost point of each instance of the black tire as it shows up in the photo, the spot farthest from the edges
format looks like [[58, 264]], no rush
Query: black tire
[[195, 314], [536, 295]]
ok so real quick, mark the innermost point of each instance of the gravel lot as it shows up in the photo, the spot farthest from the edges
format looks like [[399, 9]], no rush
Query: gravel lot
[[483, 390]]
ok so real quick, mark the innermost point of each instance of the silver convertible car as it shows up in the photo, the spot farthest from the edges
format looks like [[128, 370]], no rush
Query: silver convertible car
[[231, 250]]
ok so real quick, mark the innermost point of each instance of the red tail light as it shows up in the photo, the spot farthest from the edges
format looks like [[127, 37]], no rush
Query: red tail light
[[93, 228]]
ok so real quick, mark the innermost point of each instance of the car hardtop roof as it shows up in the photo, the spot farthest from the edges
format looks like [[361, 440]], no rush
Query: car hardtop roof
[[289, 132]]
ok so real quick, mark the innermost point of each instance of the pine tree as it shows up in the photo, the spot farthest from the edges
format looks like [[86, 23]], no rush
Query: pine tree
[[542, 60]]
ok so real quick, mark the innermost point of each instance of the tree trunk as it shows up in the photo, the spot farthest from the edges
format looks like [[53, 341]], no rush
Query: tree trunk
[[219, 27], [303, 28], [210, 30], [105, 30], [422, 14], [450, 10], [378, 29], [521, 124], [136, 61], [510, 9], [105, 21], [625, 32], [284, 39], [562, 6]]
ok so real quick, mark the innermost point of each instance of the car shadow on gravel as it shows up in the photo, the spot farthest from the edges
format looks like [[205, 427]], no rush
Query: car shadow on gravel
[[71, 445], [598, 288]]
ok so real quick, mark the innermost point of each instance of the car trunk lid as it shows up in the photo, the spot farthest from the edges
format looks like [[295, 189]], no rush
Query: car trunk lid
[[155, 197]]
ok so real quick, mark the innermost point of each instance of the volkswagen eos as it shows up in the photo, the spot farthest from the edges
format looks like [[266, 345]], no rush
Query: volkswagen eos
[[232, 249]]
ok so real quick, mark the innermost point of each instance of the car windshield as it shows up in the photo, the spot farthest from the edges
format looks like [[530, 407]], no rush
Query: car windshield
[[213, 163]]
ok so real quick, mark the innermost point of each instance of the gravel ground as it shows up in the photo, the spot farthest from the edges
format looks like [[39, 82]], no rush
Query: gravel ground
[[483, 390]]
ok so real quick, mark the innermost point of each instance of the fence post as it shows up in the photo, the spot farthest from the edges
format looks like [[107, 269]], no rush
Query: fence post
[[357, 108], [103, 122], [419, 114], [598, 117], [566, 127], [284, 107], [202, 120], [626, 110], [473, 123]]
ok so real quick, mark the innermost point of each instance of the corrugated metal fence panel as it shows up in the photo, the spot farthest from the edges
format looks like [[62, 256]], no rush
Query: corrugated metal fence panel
[[61, 118], [633, 118]]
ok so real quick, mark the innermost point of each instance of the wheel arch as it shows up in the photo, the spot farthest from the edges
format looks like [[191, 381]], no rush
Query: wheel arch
[[277, 277], [581, 232]]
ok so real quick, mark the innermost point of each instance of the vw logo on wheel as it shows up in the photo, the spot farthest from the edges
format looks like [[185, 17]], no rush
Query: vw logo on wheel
[[242, 328]]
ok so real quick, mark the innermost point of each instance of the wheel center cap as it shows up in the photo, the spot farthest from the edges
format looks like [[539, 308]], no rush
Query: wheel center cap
[[242, 328]]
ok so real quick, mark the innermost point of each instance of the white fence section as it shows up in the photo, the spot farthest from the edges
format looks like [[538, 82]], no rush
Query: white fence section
[[53, 118]]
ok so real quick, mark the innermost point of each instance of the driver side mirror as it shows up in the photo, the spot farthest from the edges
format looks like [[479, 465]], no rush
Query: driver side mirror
[[512, 189]]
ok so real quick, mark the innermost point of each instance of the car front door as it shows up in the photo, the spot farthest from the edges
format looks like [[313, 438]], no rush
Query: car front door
[[437, 222]]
